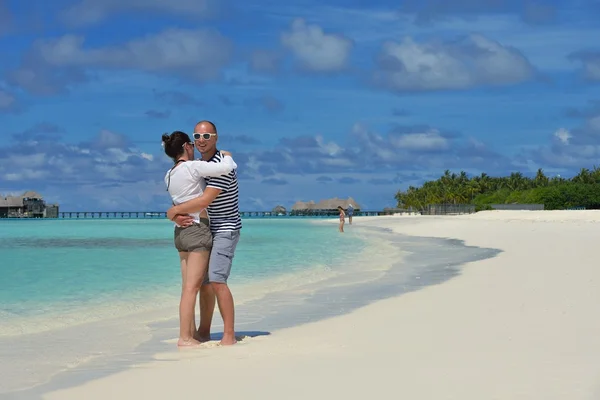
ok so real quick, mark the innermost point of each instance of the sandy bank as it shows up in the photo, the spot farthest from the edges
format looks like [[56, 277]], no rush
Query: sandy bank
[[521, 325]]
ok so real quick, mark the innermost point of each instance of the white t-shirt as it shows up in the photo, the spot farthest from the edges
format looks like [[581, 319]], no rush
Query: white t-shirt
[[187, 179]]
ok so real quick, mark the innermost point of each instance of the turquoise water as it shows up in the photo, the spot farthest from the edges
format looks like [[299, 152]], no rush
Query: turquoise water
[[59, 267]]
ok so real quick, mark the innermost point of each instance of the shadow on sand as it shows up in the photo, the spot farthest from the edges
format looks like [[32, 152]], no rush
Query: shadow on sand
[[241, 335]]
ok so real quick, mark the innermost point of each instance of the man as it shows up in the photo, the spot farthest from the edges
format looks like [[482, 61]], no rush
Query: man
[[350, 212], [221, 199]]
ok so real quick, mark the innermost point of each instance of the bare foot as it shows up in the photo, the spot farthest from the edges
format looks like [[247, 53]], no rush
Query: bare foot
[[228, 340], [202, 338], [188, 343]]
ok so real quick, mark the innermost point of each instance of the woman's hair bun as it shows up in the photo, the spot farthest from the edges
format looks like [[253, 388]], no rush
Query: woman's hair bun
[[174, 144]]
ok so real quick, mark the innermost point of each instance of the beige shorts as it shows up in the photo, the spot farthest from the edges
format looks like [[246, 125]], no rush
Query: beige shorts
[[196, 237]]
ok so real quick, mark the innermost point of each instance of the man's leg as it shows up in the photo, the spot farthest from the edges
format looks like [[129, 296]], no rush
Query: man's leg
[[227, 310], [221, 258]]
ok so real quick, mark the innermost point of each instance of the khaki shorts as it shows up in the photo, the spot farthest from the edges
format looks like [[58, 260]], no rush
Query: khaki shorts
[[196, 237]]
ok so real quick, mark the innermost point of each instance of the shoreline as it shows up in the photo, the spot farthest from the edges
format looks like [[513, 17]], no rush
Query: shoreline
[[260, 312], [517, 326]]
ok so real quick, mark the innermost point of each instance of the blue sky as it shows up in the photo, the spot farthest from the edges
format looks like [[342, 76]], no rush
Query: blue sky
[[314, 99]]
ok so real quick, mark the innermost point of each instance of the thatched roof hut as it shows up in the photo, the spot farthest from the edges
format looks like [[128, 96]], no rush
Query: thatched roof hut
[[11, 201], [327, 204], [17, 201], [279, 210], [30, 194], [301, 205]]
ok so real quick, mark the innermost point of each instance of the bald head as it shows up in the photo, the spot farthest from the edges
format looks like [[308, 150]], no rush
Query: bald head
[[205, 126]]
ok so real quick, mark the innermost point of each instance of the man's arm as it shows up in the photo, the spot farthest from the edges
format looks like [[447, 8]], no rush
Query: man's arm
[[194, 205], [213, 169]]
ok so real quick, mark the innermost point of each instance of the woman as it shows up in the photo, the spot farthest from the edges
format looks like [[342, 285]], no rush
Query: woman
[[185, 181], [342, 218]]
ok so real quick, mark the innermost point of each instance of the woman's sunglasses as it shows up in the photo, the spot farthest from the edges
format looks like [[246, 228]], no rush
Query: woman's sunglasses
[[204, 136]]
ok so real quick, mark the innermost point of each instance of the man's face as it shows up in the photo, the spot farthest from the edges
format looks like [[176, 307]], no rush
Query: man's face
[[202, 144]]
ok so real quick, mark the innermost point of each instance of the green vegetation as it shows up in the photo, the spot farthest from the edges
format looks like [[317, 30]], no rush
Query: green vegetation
[[582, 190]]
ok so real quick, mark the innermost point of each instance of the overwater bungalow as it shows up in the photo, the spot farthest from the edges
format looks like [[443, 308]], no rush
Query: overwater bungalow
[[28, 205]]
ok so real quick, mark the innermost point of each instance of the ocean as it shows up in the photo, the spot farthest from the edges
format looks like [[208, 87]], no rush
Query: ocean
[[55, 272]]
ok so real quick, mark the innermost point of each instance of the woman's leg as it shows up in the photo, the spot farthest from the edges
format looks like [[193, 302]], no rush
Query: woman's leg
[[196, 264], [183, 260]]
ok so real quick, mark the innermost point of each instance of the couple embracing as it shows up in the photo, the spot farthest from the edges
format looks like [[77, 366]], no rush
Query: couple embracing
[[207, 229]]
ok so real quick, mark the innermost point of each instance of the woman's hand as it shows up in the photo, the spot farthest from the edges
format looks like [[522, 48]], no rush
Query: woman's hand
[[225, 153]]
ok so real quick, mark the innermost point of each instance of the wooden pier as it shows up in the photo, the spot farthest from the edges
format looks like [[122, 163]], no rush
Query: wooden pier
[[112, 214], [162, 214]]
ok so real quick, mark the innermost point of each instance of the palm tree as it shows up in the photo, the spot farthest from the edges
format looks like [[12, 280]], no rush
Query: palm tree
[[516, 181], [595, 174], [584, 176], [541, 179], [472, 188]]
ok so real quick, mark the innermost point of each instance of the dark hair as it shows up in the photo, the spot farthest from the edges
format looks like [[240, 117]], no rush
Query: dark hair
[[210, 123], [174, 142]]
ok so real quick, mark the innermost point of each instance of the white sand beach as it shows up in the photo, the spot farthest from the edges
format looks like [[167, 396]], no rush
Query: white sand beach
[[522, 325]]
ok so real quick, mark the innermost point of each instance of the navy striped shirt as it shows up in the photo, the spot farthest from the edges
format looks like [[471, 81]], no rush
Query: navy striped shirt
[[224, 211]]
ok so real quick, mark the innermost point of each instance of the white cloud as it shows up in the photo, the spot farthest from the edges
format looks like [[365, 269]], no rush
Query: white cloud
[[114, 156], [88, 12], [571, 148], [425, 141], [200, 54], [338, 162], [15, 167], [108, 140], [106, 172], [378, 24], [108, 158], [563, 135], [54, 65], [330, 148], [26, 174], [472, 61], [375, 144], [316, 50]]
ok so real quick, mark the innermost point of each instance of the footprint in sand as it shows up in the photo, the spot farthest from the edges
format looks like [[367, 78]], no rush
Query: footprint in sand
[[217, 343], [186, 353], [211, 343]]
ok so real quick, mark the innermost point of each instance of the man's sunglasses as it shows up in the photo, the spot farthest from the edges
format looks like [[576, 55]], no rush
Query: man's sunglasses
[[204, 136]]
